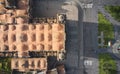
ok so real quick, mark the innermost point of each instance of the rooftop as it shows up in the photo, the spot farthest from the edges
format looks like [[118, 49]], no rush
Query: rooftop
[[23, 64], [28, 37]]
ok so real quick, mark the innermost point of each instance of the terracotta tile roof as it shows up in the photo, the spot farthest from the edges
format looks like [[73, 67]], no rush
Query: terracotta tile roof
[[23, 64], [37, 37]]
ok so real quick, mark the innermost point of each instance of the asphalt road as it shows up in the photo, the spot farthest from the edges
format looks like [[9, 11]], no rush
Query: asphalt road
[[90, 40], [74, 61]]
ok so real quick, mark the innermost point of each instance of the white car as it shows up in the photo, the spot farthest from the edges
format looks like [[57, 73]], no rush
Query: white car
[[88, 63]]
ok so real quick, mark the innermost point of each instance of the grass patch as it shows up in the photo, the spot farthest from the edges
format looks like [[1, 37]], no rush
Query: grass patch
[[107, 65], [114, 11], [106, 27], [5, 65]]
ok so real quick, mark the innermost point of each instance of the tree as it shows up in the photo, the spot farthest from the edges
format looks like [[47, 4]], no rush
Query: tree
[[107, 67]]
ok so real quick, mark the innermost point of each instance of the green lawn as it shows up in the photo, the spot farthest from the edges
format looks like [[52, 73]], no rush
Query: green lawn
[[114, 11], [107, 65], [5, 65], [106, 27]]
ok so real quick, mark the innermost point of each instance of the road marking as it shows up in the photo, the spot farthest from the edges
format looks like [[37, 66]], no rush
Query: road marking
[[87, 5], [88, 63]]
